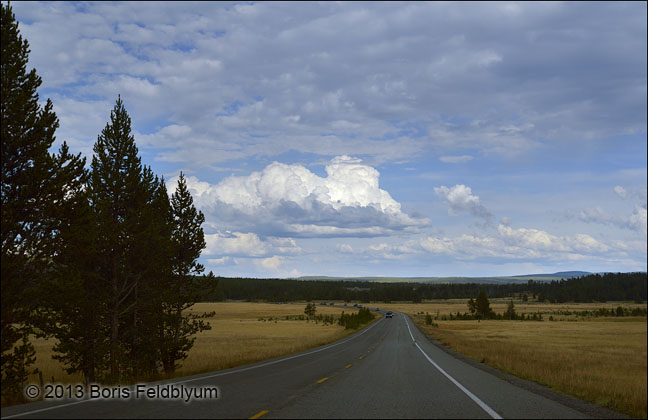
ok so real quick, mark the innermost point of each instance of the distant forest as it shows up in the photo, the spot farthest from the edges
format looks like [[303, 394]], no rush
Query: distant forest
[[590, 288]]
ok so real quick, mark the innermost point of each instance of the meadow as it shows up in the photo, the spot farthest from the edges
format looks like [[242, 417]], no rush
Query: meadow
[[241, 333], [597, 359], [248, 332]]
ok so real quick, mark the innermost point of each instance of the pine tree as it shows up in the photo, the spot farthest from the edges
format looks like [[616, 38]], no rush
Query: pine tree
[[188, 235], [119, 191], [76, 296], [482, 306], [510, 311], [184, 287], [154, 264], [472, 306], [36, 187]]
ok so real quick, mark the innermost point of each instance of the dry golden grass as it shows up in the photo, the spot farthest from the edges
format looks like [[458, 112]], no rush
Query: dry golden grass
[[499, 305], [237, 337], [602, 360], [53, 371]]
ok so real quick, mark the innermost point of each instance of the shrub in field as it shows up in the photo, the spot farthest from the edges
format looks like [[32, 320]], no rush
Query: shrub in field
[[510, 311], [354, 321], [310, 310]]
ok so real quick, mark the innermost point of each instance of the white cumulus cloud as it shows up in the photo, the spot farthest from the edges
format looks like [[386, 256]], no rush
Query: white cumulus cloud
[[540, 240], [290, 200], [522, 243], [271, 263], [248, 245]]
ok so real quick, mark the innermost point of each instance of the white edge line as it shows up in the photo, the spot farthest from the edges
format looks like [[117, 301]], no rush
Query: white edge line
[[208, 376], [44, 409], [472, 396]]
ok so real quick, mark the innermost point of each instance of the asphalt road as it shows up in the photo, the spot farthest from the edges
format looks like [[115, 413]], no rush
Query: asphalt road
[[387, 370]]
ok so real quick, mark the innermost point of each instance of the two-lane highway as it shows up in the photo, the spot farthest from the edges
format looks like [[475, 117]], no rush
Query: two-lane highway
[[387, 370]]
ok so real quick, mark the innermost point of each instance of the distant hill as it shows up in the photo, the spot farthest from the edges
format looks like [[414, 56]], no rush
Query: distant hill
[[560, 274], [487, 280]]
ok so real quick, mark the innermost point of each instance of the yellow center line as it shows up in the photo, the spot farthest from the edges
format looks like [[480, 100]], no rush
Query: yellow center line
[[259, 414], [348, 366], [322, 380]]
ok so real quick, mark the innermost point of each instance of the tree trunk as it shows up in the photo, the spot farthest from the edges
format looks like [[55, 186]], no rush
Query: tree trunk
[[114, 340]]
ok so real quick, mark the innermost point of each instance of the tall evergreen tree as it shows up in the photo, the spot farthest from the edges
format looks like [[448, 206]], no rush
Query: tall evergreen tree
[[510, 311], [482, 306], [188, 236], [472, 306], [154, 265], [184, 287], [119, 191], [36, 187], [76, 297]]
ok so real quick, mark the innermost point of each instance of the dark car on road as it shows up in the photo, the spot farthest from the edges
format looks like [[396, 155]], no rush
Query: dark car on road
[[389, 314]]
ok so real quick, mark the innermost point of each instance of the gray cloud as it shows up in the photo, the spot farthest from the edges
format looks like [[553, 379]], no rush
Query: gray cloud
[[456, 159], [460, 198], [382, 80], [635, 222]]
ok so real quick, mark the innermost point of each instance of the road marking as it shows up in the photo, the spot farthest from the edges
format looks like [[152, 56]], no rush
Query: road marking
[[26, 413], [259, 414], [348, 366], [322, 380], [281, 360], [45, 409], [361, 357], [472, 396]]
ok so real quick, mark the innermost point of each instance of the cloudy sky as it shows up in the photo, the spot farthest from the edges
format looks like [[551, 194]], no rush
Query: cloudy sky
[[384, 139]]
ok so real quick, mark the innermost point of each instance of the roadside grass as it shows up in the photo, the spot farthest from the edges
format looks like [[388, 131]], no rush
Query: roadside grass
[[238, 336], [597, 359], [241, 333]]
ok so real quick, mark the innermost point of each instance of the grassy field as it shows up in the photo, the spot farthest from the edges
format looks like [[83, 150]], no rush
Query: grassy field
[[238, 336], [597, 359], [602, 360], [241, 333]]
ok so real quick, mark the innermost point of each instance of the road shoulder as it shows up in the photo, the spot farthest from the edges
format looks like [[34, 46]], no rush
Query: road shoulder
[[589, 409]]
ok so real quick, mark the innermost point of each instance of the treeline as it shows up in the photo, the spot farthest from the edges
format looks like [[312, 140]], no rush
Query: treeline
[[590, 288], [595, 287], [100, 259]]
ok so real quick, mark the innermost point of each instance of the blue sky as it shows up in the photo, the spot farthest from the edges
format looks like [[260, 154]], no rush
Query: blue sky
[[373, 139]]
